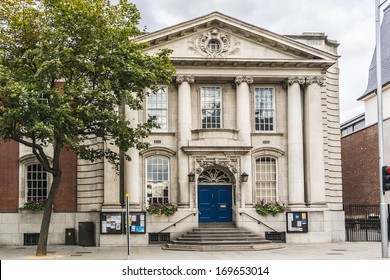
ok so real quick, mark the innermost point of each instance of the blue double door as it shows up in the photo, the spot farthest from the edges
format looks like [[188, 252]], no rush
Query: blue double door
[[215, 203]]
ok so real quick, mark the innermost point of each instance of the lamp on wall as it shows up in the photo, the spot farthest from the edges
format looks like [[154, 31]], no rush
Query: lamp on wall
[[191, 177], [244, 177]]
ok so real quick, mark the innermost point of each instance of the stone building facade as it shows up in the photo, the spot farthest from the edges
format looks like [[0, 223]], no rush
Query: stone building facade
[[244, 101]]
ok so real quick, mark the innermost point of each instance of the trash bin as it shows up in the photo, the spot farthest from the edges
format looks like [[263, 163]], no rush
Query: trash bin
[[70, 236], [86, 234]]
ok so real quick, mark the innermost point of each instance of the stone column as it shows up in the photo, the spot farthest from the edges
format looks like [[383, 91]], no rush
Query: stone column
[[296, 189], [111, 184], [132, 174], [183, 137], [243, 124], [314, 143], [243, 113]]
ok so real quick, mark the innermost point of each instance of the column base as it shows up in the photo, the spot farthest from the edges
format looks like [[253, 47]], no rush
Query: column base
[[297, 205], [112, 207], [135, 206], [317, 205], [183, 205]]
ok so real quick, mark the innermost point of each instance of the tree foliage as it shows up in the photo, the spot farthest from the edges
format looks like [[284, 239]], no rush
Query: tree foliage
[[66, 66]]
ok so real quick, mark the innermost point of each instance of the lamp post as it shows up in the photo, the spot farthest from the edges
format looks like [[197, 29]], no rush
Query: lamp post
[[383, 213]]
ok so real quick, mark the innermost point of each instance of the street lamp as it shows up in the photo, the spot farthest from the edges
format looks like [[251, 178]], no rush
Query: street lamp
[[383, 212]]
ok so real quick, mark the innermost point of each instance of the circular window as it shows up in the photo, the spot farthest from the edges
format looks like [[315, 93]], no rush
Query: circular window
[[214, 45]]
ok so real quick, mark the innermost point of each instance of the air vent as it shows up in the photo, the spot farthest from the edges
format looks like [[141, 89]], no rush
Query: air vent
[[159, 238], [30, 239]]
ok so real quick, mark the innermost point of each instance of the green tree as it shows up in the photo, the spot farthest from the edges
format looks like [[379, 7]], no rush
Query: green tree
[[66, 66]]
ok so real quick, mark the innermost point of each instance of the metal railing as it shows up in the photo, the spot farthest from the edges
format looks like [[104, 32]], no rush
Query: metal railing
[[175, 223], [258, 221], [362, 222]]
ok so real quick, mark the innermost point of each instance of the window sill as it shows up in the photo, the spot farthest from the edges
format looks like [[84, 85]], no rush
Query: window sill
[[28, 211], [163, 133], [267, 133]]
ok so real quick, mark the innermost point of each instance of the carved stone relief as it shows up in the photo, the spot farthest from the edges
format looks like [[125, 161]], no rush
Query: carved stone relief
[[214, 43]]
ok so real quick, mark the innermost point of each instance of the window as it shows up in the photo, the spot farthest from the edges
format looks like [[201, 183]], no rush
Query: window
[[37, 182], [211, 107], [157, 106], [264, 109], [214, 45], [157, 186], [266, 182]]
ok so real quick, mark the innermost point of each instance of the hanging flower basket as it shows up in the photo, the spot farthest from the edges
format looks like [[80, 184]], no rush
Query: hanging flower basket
[[162, 209], [34, 205], [269, 208]]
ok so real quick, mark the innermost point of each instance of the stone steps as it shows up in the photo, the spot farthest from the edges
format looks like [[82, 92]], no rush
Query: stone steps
[[220, 238]]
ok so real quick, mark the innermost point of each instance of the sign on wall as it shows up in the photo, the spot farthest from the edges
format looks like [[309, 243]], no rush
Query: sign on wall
[[111, 223], [297, 222], [137, 222]]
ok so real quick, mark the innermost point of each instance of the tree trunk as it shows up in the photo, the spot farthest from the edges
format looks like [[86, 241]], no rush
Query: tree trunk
[[43, 235]]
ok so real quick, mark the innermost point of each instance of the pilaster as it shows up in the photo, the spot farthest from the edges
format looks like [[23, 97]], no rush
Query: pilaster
[[314, 143]]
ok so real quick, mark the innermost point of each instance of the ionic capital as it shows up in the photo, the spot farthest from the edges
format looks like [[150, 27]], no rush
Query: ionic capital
[[292, 80], [317, 79], [185, 78], [244, 79]]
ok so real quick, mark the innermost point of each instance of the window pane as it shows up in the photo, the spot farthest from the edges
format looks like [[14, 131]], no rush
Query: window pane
[[264, 109], [211, 107], [37, 185], [157, 106], [266, 179], [157, 179]]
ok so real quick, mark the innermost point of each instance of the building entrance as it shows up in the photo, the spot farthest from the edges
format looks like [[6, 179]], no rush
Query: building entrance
[[215, 203]]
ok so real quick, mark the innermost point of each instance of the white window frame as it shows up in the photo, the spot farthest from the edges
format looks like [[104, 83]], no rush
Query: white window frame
[[24, 162], [166, 109], [259, 181], [273, 109], [155, 186], [220, 109]]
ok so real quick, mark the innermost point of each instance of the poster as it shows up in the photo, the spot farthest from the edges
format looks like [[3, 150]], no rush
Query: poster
[[111, 223], [297, 222], [138, 222]]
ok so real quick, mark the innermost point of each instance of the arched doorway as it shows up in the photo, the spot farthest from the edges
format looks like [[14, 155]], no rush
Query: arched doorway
[[215, 196]]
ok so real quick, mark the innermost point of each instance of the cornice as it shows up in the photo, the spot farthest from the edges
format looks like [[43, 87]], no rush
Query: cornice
[[250, 62]]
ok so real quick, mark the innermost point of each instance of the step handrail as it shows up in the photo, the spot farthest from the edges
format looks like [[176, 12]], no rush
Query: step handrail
[[175, 223], [258, 221]]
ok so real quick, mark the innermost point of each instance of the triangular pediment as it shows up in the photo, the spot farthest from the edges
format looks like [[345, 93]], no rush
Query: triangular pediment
[[233, 40]]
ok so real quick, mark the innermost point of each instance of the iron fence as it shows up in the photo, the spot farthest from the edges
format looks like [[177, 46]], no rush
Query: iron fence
[[362, 222]]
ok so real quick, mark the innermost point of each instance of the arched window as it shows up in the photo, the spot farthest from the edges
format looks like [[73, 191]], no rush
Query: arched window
[[157, 181], [36, 182], [214, 45], [266, 179]]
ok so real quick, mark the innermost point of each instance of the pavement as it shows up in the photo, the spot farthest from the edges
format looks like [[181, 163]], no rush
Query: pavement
[[320, 251]]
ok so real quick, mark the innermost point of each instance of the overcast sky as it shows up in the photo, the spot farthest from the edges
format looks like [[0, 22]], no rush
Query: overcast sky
[[350, 23]]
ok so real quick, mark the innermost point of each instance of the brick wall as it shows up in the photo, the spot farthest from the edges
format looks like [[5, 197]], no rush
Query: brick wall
[[360, 167], [66, 199], [9, 176]]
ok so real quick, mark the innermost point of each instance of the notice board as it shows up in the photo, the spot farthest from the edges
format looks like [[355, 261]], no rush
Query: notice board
[[111, 223], [137, 222], [297, 222]]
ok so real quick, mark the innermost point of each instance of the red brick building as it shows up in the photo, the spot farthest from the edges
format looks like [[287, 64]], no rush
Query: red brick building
[[360, 174]]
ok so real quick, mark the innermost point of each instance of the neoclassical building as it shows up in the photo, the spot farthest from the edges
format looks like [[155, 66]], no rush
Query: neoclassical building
[[250, 116]]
